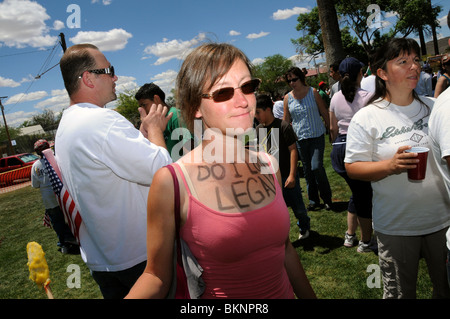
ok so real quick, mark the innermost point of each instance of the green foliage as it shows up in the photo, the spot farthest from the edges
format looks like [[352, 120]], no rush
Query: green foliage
[[13, 132], [47, 119], [271, 72], [353, 15], [128, 106]]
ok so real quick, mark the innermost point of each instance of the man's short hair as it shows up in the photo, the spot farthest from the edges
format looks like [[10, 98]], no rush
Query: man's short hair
[[148, 91], [263, 101], [335, 66], [76, 60]]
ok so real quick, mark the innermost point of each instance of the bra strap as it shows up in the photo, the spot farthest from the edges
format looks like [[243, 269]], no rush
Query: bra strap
[[186, 179]]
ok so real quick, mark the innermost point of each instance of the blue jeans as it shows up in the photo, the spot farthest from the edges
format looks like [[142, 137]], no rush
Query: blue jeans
[[293, 198], [311, 152]]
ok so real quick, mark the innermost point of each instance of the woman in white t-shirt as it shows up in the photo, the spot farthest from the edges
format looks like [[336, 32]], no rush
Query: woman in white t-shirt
[[410, 218]]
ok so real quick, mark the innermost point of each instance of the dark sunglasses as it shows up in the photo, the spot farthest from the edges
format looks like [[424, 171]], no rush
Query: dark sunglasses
[[292, 80], [225, 94], [109, 71]]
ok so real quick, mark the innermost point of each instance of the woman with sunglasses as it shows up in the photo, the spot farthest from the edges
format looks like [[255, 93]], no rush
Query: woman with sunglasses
[[410, 217], [307, 111], [444, 80], [233, 216]]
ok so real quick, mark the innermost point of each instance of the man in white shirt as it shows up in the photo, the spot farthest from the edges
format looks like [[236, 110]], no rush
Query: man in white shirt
[[368, 83], [107, 166], [439, 131]]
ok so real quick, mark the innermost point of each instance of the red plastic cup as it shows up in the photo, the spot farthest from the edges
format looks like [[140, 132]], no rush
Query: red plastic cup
[[418, 173]]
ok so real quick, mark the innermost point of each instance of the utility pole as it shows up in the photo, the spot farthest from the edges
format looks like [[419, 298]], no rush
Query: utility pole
[[11, 148], [63, 41]]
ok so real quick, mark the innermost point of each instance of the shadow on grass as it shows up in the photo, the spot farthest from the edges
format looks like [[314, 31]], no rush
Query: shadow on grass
[[339, 207], [325, 242]]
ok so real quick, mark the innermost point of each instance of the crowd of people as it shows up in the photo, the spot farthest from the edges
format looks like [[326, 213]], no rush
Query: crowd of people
[[233, 199]]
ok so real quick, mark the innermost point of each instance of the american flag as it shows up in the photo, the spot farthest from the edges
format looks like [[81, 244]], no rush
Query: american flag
[[65, 201]]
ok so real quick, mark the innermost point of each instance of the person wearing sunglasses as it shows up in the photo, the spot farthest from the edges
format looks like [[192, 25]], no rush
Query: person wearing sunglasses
[[233, 215], [307, 111], [107, 166], [443, 82]]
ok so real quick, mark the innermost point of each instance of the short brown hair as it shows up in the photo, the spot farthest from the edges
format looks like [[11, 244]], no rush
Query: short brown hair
[[74, 62], [202, 68]]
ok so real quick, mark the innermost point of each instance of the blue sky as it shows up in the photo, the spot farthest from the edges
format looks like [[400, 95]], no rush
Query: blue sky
[[144, 40]]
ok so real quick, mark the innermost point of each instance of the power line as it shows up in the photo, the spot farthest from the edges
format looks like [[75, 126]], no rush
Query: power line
[[21, 53], [46, 62]]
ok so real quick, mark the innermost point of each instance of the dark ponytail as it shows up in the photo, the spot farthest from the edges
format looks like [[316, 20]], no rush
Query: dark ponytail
[[348, 87]]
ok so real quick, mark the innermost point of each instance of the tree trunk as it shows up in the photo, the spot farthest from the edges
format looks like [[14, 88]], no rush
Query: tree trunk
[[435, 39], [423, 45], [331, 33]]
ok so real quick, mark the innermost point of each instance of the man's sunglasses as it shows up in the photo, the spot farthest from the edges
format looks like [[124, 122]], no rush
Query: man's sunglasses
[[225, 94], [109, 71]]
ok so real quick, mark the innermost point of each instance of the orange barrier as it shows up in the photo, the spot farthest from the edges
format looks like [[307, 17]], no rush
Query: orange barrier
[[16, 176]]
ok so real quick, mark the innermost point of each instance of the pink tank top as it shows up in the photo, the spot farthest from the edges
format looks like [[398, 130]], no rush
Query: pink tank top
[[242, 254]]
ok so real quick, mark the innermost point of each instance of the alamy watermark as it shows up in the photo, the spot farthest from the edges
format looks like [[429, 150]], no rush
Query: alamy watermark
[[74, 19], [74, 279], [374, 19], [374, 279]]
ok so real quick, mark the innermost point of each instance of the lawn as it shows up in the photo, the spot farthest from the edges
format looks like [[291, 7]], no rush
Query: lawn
[[335, 272]]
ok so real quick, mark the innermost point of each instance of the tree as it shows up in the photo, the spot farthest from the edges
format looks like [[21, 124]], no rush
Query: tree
[[46, 119], [128, 106], [270, 72], [331, 34], [311, 43], [13, 133], [419, 17]]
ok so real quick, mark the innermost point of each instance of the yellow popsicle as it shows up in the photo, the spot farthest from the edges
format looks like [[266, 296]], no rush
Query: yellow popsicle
[[37, 264]]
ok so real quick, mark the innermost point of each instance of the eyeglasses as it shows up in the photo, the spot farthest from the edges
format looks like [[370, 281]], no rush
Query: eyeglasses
[[225, 94], [109, 71], [292, 80]]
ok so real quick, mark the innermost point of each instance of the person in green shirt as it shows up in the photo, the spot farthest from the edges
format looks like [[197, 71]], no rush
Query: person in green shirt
[[323, 94], [178, 142]]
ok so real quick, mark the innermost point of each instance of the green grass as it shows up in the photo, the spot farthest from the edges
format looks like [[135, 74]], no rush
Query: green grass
[[335, 272], [21, 213]]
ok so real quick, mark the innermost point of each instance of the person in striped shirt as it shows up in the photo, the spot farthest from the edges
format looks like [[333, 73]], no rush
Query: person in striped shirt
[[306, 110]]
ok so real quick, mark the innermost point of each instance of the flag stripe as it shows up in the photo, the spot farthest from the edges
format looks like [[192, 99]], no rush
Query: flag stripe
[[65, 201]]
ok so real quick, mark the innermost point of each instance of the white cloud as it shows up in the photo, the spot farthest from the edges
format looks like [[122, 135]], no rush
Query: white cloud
[[26, 97], [22, 23], [112, 40], [8, 83], [166, 80], [17, 118], [234, 33], [125, 84], [258, 61], [173, 49], [287, 13], [58, 25], [104, 2], [56, 103], [257, 35]]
